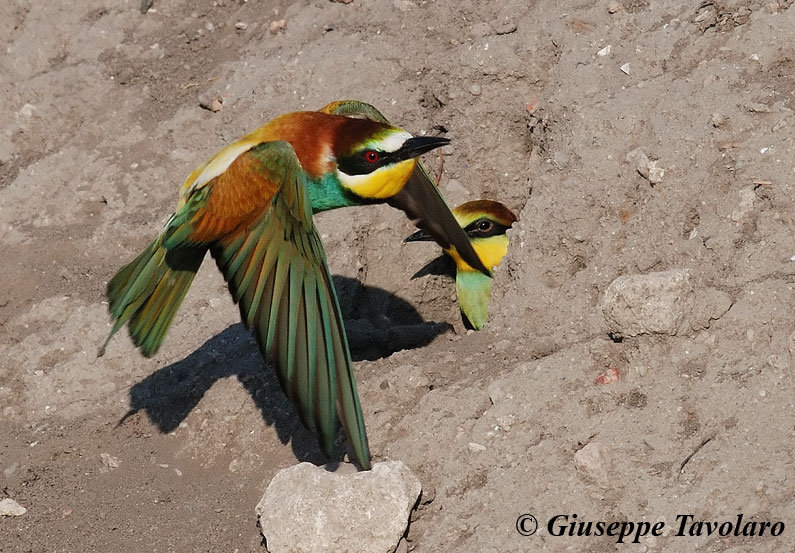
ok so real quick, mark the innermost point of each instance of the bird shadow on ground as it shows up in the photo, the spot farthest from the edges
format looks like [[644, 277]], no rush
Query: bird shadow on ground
[[169, 394]]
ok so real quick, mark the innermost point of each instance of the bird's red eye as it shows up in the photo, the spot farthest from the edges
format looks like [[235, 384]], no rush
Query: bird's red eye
[[371, 156]]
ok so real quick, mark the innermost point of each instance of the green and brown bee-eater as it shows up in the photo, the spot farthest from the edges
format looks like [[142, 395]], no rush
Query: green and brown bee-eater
[[485, 222], [251, 205]]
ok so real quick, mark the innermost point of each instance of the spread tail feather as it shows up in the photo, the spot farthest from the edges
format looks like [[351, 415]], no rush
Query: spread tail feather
[[148, 291]]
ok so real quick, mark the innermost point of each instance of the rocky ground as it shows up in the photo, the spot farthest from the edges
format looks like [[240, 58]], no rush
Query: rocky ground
[[645, 141]]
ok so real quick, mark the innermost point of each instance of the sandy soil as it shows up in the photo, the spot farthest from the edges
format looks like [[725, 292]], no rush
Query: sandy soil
[[101, 122]]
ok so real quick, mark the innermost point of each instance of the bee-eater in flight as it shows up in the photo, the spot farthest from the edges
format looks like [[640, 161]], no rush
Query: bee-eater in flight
[[485, 222], [250, 205]]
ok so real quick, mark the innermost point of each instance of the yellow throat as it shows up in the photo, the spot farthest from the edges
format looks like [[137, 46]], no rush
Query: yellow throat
[[382, 183]]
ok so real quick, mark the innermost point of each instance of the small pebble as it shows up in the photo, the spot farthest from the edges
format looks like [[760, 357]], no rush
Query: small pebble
[[27, 110], [506, 29], [110, 461], [241, 25], [655, 173], [613, 6], [718, 120], [211, 103], [757, 107], [475, 447], [10, 508], [608, 376], [605, 51], [474, 89], [625, 68], [277, 26]]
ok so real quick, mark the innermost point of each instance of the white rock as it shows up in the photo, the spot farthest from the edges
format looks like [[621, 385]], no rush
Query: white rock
[[27, 110], [656, 174], [110, 461], [10, 508], [307, 509], [655, 303], [591, 461], [639, 159], [647, 168]]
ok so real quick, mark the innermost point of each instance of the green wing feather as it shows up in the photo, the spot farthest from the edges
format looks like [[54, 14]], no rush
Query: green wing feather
[[277, 272], [148, 291]]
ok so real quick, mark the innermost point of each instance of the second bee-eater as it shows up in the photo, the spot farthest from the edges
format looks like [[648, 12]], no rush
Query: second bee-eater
[[485, 222], [250, 205]]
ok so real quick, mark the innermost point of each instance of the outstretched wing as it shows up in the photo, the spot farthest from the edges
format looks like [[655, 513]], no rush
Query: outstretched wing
[[276, 270], [420, 199]]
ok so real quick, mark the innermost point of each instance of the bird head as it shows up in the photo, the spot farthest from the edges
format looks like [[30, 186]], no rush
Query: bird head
[[374, 160], [485, 223]]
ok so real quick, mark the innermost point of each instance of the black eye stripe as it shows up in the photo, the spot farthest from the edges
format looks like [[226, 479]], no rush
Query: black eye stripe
[[358, 164], [473, 231]]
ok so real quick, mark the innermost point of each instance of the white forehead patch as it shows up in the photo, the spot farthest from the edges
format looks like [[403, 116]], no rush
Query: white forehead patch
[[391, 142]]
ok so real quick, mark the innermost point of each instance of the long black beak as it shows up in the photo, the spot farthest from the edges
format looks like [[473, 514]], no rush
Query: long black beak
[[419, 236], [418, 145]]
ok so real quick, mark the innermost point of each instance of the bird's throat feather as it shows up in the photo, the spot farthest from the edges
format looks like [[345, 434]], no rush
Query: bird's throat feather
[[382, 183], [490, 251]]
